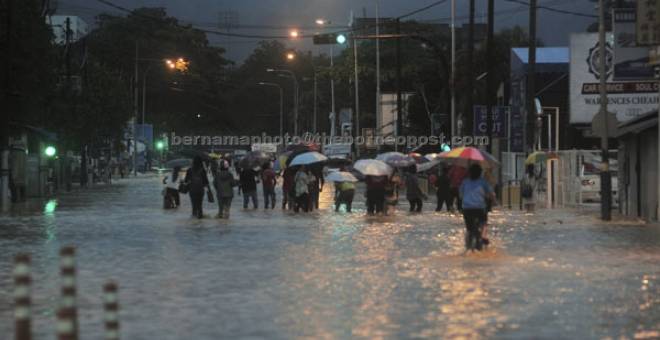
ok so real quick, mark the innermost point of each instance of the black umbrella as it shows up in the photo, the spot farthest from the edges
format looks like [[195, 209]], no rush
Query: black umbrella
[[192, 153], [254, 159]]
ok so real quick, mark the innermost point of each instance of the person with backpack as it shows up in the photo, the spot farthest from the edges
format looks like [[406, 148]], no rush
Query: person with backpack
[[269, 180], [527, 189], [196, 182], [224, 183]]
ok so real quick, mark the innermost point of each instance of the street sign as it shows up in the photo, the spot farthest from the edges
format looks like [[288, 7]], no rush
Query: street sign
[[598, 124], [648, 22], [499, 116], [265, 147], [630, 60]]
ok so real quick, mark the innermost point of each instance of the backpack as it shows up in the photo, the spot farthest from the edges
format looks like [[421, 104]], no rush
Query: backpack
[[527, 190]]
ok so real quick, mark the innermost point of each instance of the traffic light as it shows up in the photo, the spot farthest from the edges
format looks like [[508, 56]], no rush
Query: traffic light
[[160, 145], [329, 39], [50, 151]]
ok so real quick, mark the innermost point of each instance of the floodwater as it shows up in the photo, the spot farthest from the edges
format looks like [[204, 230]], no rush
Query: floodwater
[[325, 275]]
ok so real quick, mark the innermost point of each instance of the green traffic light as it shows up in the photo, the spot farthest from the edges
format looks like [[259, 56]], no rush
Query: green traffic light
[[341, 39], [50, 151], [160, 145]]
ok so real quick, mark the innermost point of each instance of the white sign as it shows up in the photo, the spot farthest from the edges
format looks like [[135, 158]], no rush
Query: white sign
[[265, 147], [626, 99], [337, 149]]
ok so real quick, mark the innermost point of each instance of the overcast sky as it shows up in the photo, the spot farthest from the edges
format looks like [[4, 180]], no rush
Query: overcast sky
[[553, 28]]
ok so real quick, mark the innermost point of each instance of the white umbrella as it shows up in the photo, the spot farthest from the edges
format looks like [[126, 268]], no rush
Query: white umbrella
[[341, 176], [387, 155], [373, 167], [428, 165], [308, 158]]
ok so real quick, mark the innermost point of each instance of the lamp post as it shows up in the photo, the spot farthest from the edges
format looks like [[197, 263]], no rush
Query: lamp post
[[291, 75], [281, 103], [378, 115], [323, 22]]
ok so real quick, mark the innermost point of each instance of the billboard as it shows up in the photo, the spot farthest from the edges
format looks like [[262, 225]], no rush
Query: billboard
[[499, 116], [630, 61], [627, 99]]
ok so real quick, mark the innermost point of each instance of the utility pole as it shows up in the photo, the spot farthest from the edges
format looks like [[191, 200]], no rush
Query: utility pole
[[398, 126], [135, 109], [468, 112], [490, 74], [357, 95], [530, 117], [453, 68], [4, 162], [605, 179], [332, 89], [379, 118]]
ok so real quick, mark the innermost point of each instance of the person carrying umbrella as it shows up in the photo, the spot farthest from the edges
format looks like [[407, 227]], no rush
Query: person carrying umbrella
[[456, 175], [248, 179], [375, 193], [344, 188], [288, 188], [392, 192], [224, 183], [414, 193], [475, 193], [442, 190], [301, 182], [269, 179], [197, 181]]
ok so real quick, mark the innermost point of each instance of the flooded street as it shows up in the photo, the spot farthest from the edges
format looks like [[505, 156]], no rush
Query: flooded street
[[271, 274]]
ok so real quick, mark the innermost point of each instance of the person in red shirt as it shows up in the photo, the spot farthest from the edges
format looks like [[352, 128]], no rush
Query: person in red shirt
[[456, 176], [269, 179]]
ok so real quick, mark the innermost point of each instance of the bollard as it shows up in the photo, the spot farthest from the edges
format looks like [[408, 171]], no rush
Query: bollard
[[111, 311], [67, 323], [22, 282]]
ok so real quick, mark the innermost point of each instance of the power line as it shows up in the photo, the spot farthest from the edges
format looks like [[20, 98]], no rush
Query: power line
[[552, 9], [422, 9]]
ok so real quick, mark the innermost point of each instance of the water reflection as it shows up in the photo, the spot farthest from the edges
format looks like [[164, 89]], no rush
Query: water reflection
[[273, 274]]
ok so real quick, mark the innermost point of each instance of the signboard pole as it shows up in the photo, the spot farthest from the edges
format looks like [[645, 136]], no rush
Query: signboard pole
[[605, 180]]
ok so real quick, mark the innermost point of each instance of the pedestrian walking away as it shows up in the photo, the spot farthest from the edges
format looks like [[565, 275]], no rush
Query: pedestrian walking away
[[224, 183], [288, 188], [442, 190], [456, 176], [269, 180], [248, 180], [528, 189], [301, 182], [375, 193], [197, 182], [414, 192], [171, 198], [475, 193], [344, 194], [392, 193]]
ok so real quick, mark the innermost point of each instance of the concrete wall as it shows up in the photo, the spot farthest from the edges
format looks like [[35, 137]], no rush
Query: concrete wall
[[638, 161]]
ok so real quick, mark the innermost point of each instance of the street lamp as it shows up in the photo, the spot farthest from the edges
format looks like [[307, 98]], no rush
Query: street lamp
[[281, 103], [290, 56], [294, 34], [291, 75], [342, 38]]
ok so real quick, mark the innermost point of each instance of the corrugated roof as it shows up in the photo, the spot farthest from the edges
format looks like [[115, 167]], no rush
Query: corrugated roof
[[544, 55]]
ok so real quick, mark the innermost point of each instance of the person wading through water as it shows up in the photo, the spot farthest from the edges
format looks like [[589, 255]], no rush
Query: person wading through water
[[197, 182]]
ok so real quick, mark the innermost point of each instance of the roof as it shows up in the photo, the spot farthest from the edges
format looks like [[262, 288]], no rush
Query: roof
[[638, 124], [544, 55]]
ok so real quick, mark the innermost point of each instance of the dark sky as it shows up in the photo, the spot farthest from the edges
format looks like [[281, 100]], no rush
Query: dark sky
[[553, 28]]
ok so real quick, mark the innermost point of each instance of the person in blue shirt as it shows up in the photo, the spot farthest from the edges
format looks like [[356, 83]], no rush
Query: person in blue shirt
[[475, 192]]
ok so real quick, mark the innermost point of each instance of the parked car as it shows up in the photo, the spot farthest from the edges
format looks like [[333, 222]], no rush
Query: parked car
[[590, 183]]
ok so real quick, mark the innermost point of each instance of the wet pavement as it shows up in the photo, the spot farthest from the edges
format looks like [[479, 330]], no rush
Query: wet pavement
[[272, 274]]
